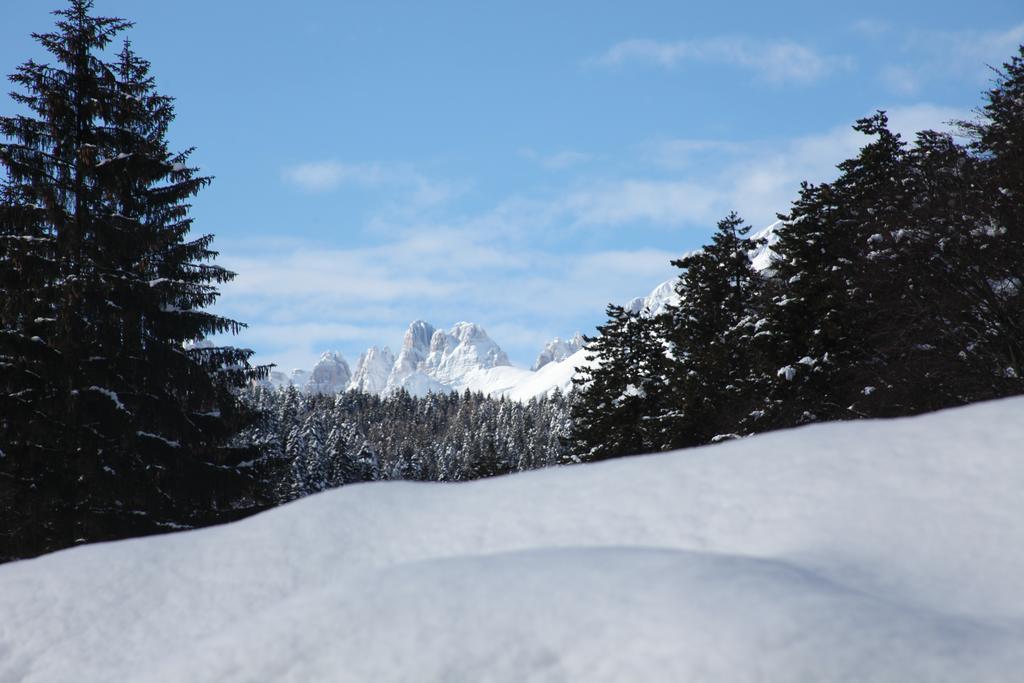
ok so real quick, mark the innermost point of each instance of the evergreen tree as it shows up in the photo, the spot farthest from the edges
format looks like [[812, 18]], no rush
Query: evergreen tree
[[998, 139], [614, 394], [939, 353], [710, 332], [114, 421], [315, 442], [835, 280]]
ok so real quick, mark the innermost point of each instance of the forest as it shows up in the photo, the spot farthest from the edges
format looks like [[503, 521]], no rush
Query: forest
[[896, 289]]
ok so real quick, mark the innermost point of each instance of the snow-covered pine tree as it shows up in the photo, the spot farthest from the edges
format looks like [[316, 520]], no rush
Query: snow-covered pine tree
[[710, 332], [837, 262], [111, 426], [612, 400], [998, 139], [937, 340], [876, 201]]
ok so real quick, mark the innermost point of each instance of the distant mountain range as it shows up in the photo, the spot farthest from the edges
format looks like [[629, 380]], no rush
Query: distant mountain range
[[433, 360], [465, 357]]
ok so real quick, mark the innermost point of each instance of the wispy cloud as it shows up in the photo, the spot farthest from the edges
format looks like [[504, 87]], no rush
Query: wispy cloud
[[923, 56], [303, 298], [901, 80], [871, 27], [774, 62], [557, 161], [525, 268], [682, 152], [969, 50], [318, 176], [664, 202], [330, 175], [757, 178]]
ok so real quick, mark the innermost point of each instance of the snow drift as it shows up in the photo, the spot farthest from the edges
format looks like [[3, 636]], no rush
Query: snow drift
[[867, 551]]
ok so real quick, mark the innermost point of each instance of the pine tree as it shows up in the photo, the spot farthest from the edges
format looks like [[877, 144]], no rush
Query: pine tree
[[936, 341], [613, 396], [709, 332], [998, 139], [115, 422], [838, 259]]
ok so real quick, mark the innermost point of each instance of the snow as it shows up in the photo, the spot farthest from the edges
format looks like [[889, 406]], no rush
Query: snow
[[556, 375], [465, 357], [657, 302], [115, 399], [151, 435], [418, 383], [464, 348], [761, 258], [330, 375], [497, 381], [372, 370], [297, 378], [415, 345], [858, 551], [558, 350], [788, 372]]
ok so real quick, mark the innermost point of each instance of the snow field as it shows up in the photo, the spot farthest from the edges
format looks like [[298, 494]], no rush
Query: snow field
[[868, 551]]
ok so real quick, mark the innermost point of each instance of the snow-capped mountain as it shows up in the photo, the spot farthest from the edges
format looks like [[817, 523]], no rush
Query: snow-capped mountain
[[761, 257], [664, 295], [415, 347], [330, 375], [372, 370], [436, 360], [279, 379], [655, 303], [465, 357], [558, 350], [464, 348]]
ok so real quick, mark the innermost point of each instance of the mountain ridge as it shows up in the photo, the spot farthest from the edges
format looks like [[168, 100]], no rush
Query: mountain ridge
[[465, 357]]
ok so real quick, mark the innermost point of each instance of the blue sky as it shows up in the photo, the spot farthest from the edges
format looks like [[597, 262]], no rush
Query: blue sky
[[516, 164]]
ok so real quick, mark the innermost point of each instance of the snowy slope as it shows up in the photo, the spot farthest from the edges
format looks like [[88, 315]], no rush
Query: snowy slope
[[655, 303], [859, 552], [761, 257], [372, 370], [553, 375]]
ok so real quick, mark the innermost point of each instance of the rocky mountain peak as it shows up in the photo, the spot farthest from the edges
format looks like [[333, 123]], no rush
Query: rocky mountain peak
[[558, 350]]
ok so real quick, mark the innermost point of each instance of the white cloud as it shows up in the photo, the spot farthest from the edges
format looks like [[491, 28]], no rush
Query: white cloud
[[330, 175], [871, 28], [529, 268], [557, 161], [901, 80], [908, 120], [317, 176], [665, 202], [758, 179], [767, 181], [775, 62], [927, 56], [682, 152], [967, 50], [304, 298]]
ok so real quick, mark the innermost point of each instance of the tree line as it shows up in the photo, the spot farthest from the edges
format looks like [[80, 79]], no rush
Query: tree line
[[896, 289], [310, 442]]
